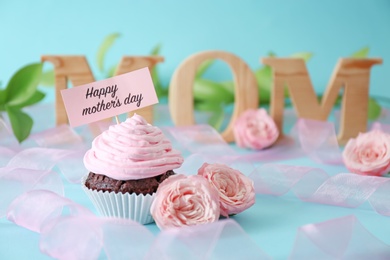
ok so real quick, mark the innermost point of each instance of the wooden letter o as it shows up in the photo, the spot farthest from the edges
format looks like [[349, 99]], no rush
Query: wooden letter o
[[181, 100]]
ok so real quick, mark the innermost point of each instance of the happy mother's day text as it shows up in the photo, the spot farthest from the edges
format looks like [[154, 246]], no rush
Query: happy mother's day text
[[114, 102]]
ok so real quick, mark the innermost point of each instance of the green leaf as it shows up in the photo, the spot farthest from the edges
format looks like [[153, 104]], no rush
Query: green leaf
[[374, 109], [228, 85], [48, 79], [104, 47], [207, 106], [156, 50], [216, 119], [306, 56], [21, 123], [23, 84], [271, 54], [207, 90], [3, 96], [362, 53], [111, 71], [35, 98], [203, 68]]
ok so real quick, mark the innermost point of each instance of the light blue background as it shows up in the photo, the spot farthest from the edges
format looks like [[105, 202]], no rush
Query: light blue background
[[250, 29]]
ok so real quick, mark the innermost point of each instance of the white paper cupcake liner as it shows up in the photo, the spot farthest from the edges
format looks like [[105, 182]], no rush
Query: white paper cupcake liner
[[130, 206]]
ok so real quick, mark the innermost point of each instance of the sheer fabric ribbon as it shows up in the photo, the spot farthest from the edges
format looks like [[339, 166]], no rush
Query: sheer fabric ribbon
[[31, 187]]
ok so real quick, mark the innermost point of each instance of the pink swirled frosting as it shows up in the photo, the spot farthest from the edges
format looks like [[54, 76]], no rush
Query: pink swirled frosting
[[132, 150]]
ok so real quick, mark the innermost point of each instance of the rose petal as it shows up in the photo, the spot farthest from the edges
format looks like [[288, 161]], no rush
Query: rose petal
[[368, 154], [185, 201], [255, 129], [236, 191]]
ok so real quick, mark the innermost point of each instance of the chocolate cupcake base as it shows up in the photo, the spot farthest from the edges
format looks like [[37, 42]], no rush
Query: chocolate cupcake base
[[123, 199], [145, 186]]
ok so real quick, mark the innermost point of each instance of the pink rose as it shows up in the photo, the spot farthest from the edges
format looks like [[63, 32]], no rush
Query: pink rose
[[255, 129], [185, 201], [236, 191], [368, 154]]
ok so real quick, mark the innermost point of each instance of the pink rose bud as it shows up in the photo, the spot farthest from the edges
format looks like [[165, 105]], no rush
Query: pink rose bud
[[368, 154], [236, 191], [185, 201], [255, 129]]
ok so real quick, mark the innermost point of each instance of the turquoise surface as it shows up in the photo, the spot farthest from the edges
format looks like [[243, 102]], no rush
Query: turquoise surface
[[272, 222]]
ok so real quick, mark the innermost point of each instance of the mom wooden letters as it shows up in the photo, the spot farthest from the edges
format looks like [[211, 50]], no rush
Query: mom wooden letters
[[351, 74]]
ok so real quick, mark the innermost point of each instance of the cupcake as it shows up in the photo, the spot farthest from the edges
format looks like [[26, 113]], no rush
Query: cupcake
[[127, 163]]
